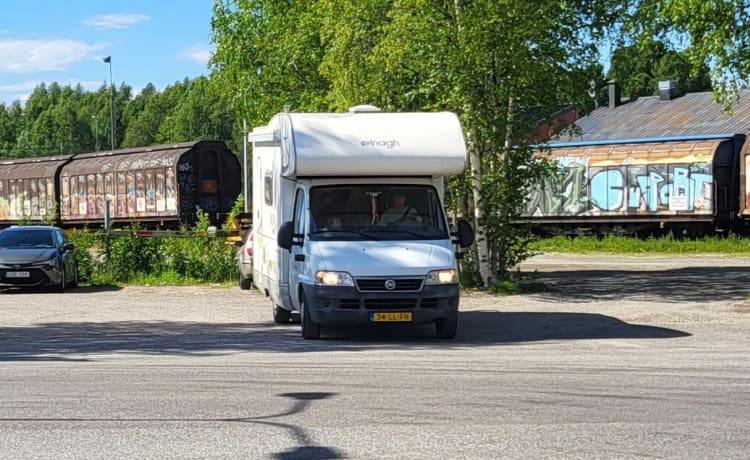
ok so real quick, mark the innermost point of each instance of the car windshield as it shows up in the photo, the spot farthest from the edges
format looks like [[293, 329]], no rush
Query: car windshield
[[27, 238], [376, 212]]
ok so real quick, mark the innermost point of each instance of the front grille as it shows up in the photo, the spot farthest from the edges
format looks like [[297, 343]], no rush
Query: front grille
[[390, 304], [378, 284]]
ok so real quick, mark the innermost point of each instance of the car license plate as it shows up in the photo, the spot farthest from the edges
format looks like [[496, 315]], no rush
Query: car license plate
[[391, 317], [17, 274]]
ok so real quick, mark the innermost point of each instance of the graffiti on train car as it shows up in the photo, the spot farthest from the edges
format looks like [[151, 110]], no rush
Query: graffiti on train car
[[131, 193], [582, 189], [22, 198]]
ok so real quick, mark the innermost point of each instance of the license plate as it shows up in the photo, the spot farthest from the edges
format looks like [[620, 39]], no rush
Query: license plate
[[391, 317], [17, 274]]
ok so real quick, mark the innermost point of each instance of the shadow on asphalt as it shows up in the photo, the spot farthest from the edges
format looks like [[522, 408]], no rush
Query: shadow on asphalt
[[52, 290], [82, 341], [690, 284]]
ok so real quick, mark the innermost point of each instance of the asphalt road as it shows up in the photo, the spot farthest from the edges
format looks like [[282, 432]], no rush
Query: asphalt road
[[619, 358]]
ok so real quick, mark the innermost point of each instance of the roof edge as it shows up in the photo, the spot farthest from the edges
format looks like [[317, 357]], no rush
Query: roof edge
[[641, 140]]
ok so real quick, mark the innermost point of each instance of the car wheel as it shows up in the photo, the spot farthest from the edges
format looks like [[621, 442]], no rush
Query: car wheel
[[310, 329], [74, 282], [63, 280], [245, 283], [281, 316], [446, 328]]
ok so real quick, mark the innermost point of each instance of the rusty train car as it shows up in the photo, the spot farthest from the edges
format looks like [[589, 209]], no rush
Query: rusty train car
[[162, 186], [689, 185]]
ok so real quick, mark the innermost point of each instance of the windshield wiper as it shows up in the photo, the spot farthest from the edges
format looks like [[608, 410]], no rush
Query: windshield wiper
[[353, 232], [425, 234]]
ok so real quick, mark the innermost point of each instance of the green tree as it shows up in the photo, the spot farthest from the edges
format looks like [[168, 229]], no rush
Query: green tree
[[716, 31], [489, 61], [639, 68], [267, 56]]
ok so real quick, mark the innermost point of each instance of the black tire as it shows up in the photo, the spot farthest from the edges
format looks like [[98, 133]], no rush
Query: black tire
[[63, 281], [245, 283], [446, 328], [310, 329], [281, 316], [74, 283]]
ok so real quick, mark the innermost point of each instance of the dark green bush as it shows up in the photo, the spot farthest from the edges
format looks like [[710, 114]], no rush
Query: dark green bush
[[126, 258]]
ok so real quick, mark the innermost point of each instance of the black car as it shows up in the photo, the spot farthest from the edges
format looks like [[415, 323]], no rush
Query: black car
[[36, 255]]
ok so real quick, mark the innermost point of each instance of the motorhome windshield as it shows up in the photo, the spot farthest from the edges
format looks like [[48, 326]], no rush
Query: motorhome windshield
[[379, 212]]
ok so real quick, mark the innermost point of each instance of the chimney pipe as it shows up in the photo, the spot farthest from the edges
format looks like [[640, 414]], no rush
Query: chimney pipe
[[667, 89], [614, 93]]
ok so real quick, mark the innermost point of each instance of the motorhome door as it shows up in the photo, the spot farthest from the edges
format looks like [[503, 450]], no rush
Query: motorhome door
[[297, 262]]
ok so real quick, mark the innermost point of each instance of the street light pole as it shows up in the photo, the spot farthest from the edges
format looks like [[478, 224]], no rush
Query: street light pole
[[108, 60], [96, 131]]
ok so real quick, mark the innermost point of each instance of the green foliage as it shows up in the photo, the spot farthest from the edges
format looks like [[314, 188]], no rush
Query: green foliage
[[88, 249], [471, 58], [639, 68], [716, 31], [651, 245], [108, 259], [517, 285], [62, 120]]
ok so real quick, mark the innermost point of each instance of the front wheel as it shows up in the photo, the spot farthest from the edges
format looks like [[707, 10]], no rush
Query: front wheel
[[63, 280], [446, 328], [74, 283], [310, 329], [281, 316]]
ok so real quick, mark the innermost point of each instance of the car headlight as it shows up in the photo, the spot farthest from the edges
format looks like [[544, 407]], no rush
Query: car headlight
[[326, 278], [448, 276], [51, 263]]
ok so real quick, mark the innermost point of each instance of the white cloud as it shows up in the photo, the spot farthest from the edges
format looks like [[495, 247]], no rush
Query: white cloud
[[28, 56], [198, 53], [115, 21], [27, 85], [22, 90]]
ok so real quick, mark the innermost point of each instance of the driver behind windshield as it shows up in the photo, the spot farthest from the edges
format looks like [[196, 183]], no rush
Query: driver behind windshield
[[400, 212]]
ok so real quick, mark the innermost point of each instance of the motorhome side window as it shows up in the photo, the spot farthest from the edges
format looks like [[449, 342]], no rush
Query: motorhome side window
[[299, 212], [377, 211], [268, 189]]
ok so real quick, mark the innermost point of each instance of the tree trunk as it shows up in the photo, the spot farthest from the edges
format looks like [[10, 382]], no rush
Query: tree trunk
[[482, 256], [483, 253], [501, 268]]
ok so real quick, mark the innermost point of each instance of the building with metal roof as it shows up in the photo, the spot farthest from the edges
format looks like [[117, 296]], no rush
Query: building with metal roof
[[666, 161], [693, 114]]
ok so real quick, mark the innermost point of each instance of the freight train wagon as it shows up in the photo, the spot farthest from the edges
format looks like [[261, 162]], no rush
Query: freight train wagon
[[160, 185], [689, 185]]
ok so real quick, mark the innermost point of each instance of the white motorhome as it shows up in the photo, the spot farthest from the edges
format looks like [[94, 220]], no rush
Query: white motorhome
[[329, 245]]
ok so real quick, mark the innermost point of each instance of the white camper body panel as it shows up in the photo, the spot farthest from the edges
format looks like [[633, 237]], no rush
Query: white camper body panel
[[372, 144]]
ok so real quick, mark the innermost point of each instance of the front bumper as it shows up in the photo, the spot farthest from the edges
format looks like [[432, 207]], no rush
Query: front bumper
[[341, 306], [37, 276]]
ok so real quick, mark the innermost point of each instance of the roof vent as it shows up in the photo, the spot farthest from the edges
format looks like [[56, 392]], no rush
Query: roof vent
[[614, 93], [667, 90], [364, 108]]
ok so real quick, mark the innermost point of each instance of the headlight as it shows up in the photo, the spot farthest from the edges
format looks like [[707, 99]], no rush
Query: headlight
[[52, 263], [442, 277], [326, 278]]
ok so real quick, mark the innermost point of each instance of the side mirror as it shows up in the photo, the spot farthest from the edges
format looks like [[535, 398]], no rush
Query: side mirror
[[285, 235], [465, 234], [68, 247]]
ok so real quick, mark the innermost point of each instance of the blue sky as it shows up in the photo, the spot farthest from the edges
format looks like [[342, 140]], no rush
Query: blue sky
[[154, 41]]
